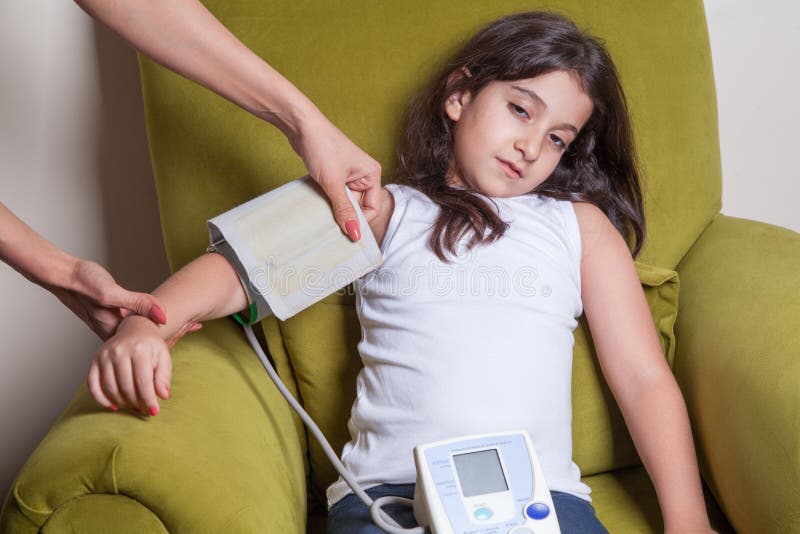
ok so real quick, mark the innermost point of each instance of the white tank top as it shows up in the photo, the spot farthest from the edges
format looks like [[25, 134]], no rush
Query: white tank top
[[477, 346]]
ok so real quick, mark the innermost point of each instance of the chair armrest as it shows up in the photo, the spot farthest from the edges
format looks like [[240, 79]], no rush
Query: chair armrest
[[223, 455], [738, 365]]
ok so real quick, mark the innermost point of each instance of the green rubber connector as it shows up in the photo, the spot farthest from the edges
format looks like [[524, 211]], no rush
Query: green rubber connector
[[252, 316]]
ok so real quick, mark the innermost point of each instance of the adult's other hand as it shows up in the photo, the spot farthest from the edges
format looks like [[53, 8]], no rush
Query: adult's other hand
[[335, 162], [84, 286], [93, 295]]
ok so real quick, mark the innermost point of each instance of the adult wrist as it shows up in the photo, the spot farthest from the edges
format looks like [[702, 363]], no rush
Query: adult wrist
[[53, 268], [33, 256], [289, 110]]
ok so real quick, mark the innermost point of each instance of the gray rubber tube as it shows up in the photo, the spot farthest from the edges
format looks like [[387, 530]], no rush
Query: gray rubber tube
[[379, 516]]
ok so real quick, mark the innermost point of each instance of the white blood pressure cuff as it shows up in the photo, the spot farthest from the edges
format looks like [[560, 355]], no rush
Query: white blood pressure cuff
[[288, 250]]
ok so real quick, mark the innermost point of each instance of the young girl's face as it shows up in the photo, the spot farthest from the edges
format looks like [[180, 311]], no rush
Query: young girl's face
[[510, 136]]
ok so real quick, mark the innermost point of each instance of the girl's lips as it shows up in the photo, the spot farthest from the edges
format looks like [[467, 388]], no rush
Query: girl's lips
[[511, 170]]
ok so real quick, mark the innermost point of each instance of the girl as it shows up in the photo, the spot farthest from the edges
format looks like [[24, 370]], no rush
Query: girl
[[518, 163]]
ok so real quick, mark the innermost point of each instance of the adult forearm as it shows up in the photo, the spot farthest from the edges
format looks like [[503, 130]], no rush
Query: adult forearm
[[206, 288], [30, 254], [185, 37], [659, 425]]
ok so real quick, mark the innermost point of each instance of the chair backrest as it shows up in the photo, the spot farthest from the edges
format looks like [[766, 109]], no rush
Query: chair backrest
[[360, 61]]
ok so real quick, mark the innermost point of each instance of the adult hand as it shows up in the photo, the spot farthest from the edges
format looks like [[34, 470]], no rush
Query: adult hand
[[83, 286], [335, 162], [93, 295]]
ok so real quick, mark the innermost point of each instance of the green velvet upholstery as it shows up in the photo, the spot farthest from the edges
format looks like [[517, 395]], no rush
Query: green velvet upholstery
[[226, 454], [738, 362]]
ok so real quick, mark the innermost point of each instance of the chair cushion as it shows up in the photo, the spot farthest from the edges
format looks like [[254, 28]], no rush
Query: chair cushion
[[321, 343]]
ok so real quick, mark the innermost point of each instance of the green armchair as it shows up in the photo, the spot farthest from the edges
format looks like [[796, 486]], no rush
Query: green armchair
[[226, 453]]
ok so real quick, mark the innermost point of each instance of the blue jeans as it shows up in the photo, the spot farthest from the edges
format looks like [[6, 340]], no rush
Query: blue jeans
[[351, 516]]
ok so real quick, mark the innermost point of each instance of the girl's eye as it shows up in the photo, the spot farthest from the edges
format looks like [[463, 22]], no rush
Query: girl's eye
[[519, 110], [558, 142]]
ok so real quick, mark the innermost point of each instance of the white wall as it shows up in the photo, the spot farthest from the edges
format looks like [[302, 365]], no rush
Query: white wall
[[754, 47], [74, 165]]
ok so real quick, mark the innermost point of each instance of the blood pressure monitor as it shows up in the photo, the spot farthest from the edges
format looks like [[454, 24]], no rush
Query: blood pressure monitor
[[483, 484]]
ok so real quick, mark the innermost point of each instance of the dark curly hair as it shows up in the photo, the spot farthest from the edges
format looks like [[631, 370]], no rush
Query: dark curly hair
[[600, 165]]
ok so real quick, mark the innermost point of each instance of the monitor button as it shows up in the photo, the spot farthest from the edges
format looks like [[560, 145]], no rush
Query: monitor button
[[537, 510], [483, 514]]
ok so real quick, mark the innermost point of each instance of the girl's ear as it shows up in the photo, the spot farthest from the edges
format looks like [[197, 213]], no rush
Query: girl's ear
[[454, 105]]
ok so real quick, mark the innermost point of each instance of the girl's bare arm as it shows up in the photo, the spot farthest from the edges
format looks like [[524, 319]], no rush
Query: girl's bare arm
[[206, 288], [380, 223], [633, 364], [134, 367]]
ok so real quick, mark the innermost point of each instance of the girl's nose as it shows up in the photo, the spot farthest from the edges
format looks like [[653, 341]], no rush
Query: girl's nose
[[530, 146]]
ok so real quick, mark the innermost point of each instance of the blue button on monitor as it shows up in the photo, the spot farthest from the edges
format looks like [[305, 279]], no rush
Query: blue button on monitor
[[537, 510], [482, 514]]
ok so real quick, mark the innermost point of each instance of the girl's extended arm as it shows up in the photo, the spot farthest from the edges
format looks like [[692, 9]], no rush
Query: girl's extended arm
[[134, 367], [207, 288], [637, 373]]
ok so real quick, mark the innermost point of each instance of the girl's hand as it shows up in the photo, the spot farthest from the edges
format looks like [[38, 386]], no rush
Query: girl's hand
[[335, 162], [133, 368]]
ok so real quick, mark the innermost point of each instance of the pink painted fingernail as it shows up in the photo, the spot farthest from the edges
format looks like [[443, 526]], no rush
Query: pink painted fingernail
[[158, 315], [113, 408], [352, 229], [154, 411]]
